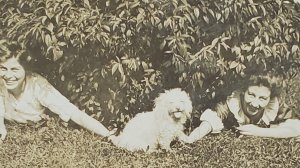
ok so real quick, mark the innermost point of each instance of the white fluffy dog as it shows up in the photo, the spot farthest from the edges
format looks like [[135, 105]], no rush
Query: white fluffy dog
[[150, 130]]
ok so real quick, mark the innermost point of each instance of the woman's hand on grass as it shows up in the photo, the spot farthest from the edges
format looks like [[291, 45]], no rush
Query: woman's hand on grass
[[3, 133], [249, 129], [281, 131]]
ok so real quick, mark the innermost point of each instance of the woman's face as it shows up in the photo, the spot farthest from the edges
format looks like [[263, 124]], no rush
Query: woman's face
[[256, 98], [13, 73]]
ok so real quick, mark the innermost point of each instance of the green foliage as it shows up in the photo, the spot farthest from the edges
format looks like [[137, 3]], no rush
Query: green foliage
[[112, 57]]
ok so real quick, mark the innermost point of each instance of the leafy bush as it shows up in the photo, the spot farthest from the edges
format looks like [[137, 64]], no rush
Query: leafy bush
[[111, 58]]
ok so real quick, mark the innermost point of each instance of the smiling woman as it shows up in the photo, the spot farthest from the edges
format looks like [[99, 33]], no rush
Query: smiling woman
[[13, 74], [254, 110], [24, 95]]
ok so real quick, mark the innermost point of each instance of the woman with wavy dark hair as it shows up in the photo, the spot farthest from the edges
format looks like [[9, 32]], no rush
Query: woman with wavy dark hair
[[254, 109], [24, 95]]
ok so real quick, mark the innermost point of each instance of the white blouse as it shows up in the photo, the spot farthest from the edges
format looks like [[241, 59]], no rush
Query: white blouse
[[233, 105], [38, 94]]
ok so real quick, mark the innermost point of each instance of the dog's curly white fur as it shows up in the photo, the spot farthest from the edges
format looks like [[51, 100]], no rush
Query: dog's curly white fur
[[146, 131]]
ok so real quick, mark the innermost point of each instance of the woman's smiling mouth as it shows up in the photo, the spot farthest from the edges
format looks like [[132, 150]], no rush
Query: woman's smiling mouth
[[10, 82]]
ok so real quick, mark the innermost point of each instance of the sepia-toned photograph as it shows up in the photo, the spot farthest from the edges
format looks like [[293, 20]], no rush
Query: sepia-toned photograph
[[149, 83]]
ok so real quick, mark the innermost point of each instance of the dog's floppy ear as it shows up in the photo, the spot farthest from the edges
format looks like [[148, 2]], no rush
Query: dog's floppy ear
[[159, 101], [190, 106]]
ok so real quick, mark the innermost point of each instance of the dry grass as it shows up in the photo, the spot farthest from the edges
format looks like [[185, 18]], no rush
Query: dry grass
[[54, 145]]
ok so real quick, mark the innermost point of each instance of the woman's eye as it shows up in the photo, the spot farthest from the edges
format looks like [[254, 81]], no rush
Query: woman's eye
[[263, 98], [251, 94], [3, 68]]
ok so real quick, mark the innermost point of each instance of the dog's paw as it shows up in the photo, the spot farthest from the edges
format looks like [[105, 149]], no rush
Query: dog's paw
[[188, 141], [165, 147]]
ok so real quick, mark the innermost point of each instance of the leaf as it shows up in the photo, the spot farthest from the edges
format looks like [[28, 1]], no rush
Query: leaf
[[162, 45], [120, 68], [114, 68], [49, 14], [226, 13], [49, 48], [206, 19], [233, 64], [255, 19], [188, 18], [211, 12], [96, 85], [167, 63], [57, 54], [105, 27], [218, 15], [48, 39], [61, 44], [50, 27], [87, 3], [144, 65], [295, 48], [134, 4], [128, 33], [196, 12], [214, 42], [57, 17], [257, 41], [44, 18]]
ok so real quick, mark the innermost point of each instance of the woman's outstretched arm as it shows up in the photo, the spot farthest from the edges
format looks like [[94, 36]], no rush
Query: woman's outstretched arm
[[289, 128], [52, 99], [89, 123], [198, 133], [211, 122], [3, 130]]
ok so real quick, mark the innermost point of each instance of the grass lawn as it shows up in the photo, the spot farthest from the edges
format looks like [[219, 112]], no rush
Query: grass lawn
[[55, 145]]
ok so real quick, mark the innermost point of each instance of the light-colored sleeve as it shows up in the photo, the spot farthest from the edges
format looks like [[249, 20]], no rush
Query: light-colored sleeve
[[51, 98], [2, 107], [3, 93], [213, 119]]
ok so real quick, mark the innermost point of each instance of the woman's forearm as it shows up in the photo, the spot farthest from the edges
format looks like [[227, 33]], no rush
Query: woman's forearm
[[201, 131], [90, 123], [3, 130], [2, 121], [277, 132]]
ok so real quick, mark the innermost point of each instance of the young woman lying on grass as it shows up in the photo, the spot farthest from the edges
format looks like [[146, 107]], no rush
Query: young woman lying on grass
[[24, 95], [253, 110]]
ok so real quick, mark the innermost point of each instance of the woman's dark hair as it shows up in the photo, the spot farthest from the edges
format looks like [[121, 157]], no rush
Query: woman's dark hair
[[268, 80], [13, 50]]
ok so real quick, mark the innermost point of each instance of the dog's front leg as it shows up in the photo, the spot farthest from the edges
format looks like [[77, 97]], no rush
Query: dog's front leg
[[166, 146], [165, 142], [184, 139]]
